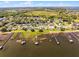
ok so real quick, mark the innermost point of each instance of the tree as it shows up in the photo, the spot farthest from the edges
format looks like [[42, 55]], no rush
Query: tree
[[24, 28], [62, 29], [4, 29], [32, 30], [40, 30], [51, 17]]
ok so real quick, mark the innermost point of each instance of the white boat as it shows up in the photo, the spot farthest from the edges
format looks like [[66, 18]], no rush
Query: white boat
[[23, 42], [71, 41], [1, 47], [36, 43], [58, 43]]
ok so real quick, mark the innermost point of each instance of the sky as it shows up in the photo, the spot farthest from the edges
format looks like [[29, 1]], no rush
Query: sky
[[38, 3]]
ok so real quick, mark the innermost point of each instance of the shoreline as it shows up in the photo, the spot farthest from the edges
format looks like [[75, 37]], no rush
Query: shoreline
[[64, 31], [48, 32]]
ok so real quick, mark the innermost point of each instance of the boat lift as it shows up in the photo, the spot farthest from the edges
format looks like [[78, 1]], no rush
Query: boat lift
[[69, 37], [57, 42], [36, 39], [23, 41], [10, 37], [2, 46], [74, 36]]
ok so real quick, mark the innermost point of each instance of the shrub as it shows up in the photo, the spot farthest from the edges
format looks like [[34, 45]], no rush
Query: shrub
[[32, 30], [24, 28], [4, 29], [40, 30], [62, 29]]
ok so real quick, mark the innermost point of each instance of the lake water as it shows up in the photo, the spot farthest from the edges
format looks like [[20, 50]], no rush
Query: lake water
[[45, 49]]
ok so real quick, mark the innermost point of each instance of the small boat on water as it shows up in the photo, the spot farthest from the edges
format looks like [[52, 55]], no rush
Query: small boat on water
[[36, 43], [1, 47], [71, 41], [58, 43], [23, 42]]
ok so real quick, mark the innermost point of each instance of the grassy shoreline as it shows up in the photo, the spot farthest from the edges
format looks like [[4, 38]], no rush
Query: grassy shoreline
[[27, 35], [47, 31]]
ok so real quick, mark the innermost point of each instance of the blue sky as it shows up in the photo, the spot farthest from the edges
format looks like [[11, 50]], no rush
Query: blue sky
[[38, 3]]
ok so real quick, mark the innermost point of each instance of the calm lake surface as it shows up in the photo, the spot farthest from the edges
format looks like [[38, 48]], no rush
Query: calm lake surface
[[44, 49]]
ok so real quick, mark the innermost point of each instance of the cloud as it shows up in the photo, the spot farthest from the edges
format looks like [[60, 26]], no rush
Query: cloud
[[6, 1], [27, 3], [39, 4]]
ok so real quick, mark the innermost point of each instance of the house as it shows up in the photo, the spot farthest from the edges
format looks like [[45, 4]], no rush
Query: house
[[75, 25], [51, 26], [1, 18]]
